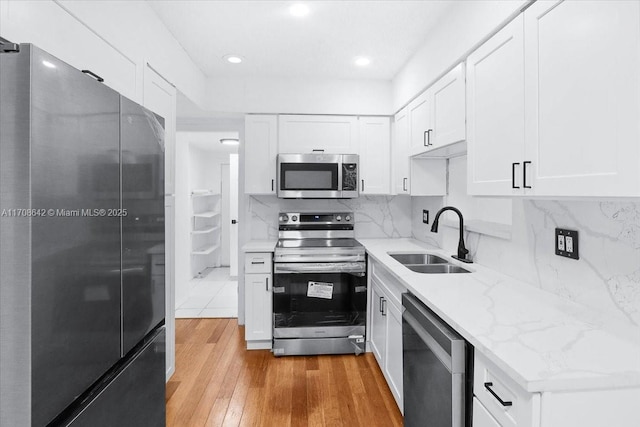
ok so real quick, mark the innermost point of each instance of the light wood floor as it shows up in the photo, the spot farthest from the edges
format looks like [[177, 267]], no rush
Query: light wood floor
[[219, 383]]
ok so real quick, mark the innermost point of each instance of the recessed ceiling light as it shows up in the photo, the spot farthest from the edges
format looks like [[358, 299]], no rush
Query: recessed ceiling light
[[48, 64], [234, 59], [230, 141], [299, 9], [361, 61]]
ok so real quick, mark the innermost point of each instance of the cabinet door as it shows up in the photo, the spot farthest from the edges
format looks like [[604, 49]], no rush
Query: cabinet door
[[378, 324], [375, 165], [331, 134], [482, 417], [260, 151], [400, 154], [495, 113], [393, 359], [420, 125], [582, 94], [448, 111], [258, 306]]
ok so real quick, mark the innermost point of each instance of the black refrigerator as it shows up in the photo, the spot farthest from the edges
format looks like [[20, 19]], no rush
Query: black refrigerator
[[82, 291]]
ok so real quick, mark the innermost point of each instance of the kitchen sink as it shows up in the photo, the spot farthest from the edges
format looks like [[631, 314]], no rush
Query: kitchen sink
[[422, 259], [437, 269]]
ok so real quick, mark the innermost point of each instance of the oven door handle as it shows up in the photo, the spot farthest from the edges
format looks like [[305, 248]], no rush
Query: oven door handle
[[329, 267]]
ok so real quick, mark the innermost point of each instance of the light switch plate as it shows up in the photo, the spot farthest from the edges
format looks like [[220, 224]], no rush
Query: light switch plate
[[566, 242], [425, 216]]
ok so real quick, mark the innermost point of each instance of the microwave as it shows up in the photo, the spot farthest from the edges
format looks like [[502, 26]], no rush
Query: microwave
[[317, 176]]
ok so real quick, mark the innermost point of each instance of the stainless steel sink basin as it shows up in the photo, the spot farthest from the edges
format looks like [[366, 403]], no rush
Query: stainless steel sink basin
[[423, 259], [437, 269]]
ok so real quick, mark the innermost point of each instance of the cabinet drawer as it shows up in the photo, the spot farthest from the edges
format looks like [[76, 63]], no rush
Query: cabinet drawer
[[505, 400], [390, 285], [257, 262]]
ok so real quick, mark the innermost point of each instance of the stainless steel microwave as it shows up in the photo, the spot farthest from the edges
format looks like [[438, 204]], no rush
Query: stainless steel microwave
[[317, 176]]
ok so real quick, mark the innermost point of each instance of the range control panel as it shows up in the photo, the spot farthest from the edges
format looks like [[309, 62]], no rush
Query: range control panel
[[309, 218]]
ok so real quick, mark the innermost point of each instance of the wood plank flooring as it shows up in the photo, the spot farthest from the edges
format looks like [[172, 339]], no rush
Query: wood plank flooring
[[219, 383]]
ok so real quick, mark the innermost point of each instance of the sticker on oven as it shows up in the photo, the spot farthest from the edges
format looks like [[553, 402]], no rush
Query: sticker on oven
[[320, 290]]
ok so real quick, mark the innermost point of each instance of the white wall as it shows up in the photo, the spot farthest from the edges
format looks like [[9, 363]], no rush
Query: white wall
[[304, 96], [460, 30]]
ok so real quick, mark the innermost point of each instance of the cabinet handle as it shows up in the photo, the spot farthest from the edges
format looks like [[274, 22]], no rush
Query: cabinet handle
[[272, 184], [524, 174], [429, 144], [257, 262], [513, 175], [384, 307], [318, 150], [94, 75], [404, 184], [362, 185], [380, 304], [493, 393], [266, 283]]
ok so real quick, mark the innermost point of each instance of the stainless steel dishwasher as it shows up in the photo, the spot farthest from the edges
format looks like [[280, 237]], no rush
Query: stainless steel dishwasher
[[437, 369]]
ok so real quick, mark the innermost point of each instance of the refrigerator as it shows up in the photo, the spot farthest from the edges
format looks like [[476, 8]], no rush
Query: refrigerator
[[82, 339]]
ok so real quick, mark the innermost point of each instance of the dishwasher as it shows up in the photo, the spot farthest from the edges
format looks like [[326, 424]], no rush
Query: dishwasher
[[438, 377]]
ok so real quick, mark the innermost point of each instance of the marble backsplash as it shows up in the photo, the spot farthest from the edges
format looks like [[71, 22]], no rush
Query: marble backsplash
[[375, 216], [607, 275]]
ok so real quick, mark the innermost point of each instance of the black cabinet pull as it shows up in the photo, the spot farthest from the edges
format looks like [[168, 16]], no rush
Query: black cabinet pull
[[94, 75], [404, 184], [362, 185], [233, 221], [493, 393], [257, 262], [524, 174], [318, 150], [266, 282], [380, 304], [384, 307], [272, 182], [513, 175]]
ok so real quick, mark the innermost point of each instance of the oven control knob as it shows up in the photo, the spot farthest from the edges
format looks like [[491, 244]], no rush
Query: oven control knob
[[338, 218], [294, 218], [347, 218], [284, 218]]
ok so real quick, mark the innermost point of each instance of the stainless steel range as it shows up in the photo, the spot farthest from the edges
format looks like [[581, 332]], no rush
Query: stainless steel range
[[320, 285]]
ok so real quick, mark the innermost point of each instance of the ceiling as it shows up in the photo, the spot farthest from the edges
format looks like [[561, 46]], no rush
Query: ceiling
[[322, 44], [210, 141]]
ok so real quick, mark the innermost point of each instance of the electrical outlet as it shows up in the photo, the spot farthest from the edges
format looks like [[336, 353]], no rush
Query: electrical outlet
[[425, 216], [567, 243]]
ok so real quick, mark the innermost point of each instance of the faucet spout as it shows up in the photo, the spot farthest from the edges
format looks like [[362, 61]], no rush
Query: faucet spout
[[462, 250]]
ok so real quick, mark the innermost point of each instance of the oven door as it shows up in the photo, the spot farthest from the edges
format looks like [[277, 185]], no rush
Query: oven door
[[309, 176], [319, 300]]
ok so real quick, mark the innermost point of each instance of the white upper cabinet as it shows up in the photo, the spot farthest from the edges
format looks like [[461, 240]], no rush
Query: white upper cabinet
[[261, 149], [582, 94], [448, 110], [400, 151], [437, 116], [328, 134], [495, 113], [375, 162]]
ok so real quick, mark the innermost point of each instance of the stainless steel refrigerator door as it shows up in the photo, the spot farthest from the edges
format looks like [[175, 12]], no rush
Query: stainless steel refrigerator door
[[75, 246], [143, 254], [136, 395], [15, 246]]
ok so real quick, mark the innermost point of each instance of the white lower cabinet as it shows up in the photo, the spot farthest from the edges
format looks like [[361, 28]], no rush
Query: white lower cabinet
[[258, 285], [385, 330]]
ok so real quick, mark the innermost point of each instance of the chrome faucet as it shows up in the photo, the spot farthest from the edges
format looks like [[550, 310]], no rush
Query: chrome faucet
[[462, 251]]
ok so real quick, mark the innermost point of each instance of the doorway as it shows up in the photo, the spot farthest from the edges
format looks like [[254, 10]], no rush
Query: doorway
[[212, 290]]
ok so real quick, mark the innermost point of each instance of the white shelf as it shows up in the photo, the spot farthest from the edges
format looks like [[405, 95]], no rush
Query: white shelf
[[208, 214], [204, 193], [206, 250], [206, 230]]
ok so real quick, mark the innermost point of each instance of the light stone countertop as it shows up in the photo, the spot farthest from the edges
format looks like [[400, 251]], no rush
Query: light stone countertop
[[260, 246], [542, 341]]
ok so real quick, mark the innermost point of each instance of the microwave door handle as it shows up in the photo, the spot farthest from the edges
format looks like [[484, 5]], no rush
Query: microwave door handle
[[340, 177]]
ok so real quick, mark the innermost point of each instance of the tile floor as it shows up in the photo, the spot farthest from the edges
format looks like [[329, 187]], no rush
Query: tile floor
[[214, 295]]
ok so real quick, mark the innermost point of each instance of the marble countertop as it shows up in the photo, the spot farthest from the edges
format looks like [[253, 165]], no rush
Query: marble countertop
[[542, 341], [260, 246]]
